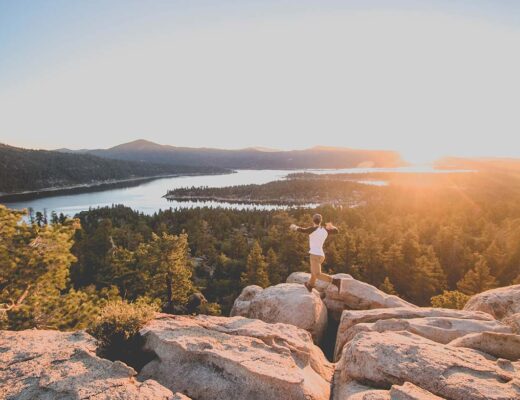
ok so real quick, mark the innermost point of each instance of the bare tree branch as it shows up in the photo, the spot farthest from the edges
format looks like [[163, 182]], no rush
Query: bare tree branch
[[5, 308]]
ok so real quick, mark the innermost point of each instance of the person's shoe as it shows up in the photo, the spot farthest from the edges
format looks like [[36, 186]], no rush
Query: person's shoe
[[309, 287], [337, 282]]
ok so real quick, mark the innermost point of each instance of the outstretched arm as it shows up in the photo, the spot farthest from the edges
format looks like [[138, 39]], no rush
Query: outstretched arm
[[297, 228], [331, 229]]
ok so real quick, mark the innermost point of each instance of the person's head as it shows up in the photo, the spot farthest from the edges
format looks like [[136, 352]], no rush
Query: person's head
[[316, 218]]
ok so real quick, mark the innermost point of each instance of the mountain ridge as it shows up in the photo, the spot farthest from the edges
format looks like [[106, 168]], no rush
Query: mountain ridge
[[250, 157], [27, 170]]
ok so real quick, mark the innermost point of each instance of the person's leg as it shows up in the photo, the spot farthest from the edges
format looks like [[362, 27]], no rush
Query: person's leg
[[315, 270], [320, 275], [316, 273], [324, 277]]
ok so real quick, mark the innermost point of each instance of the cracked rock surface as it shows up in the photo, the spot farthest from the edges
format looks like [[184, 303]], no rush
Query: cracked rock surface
[[392, 358], [235, 358], [45, 365]]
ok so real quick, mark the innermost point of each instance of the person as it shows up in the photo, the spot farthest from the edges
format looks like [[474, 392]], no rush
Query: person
[[317, 236]]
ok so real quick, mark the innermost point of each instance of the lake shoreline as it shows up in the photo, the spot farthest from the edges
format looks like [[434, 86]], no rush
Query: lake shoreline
[[94, 187], [147, 194], [238, 200]]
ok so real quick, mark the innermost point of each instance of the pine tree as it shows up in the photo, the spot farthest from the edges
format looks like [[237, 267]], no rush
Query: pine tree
[[387, 287], [204, 241], [290, 246], [371, 266], [394, 263], [452, 252], [237, 246], [333, 260], [256, 273], [428, 278], [347, 244], [478, 279], [274, 268], [166, 270], [496, 258], [34, 278], [124, 272], [94, 249], [39, 219]]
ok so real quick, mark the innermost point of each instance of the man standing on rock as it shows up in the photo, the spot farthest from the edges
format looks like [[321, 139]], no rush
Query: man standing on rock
[[317, 236]]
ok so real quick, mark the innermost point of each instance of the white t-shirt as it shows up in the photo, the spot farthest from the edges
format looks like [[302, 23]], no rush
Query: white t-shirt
[[316, 241], [317, 237]]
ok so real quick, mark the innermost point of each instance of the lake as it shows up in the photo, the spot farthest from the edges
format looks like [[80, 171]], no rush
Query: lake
[[147, 197]]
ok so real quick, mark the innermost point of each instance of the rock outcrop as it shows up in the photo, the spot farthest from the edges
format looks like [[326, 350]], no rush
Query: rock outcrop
[[302, 277], [408, 391], [37, 364], [366, 319], [349, 318], [392, 358], [499, 345], [235, 358], [390, 350], [500, 303], [439, 329], [354, 295], [287, 303], [243, 302]]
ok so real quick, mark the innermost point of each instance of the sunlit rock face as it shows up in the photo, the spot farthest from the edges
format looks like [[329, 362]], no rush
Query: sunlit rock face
[[288, 303], [388, 358], [40, 364], [235, 358], [354, 295], [439, 324], [439, 329], [242, 303], [500, 303], [499, 345]]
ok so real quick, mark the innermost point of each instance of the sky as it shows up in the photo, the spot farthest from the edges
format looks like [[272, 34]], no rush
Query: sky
[[425, 78]]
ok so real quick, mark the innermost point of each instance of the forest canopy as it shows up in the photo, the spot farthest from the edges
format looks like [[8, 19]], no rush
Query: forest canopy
[[435, 243]]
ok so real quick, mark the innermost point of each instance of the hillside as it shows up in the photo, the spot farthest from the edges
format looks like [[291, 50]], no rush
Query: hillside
[[25, 170], [250, 158]]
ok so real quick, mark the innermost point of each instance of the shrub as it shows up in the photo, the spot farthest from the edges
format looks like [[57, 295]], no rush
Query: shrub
[[117, 329], [209, 309], [450, 299]]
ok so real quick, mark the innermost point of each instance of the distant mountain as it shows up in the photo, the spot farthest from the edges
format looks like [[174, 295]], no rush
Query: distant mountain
[[25, 170], [251, 158]]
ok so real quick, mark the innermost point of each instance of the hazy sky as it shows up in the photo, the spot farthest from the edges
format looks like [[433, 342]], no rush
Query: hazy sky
[[425, 78]]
